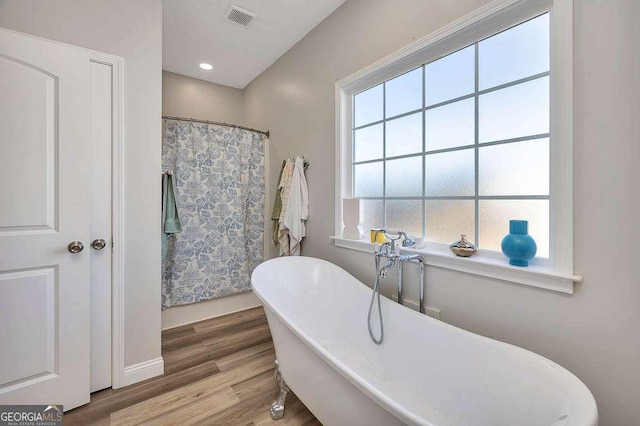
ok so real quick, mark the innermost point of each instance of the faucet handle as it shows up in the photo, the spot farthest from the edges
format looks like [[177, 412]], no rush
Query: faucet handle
[[406, 242], [397, 233], [392, 239]]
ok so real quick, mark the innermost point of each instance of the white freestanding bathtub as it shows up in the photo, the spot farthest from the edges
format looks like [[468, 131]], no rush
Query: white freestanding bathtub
[[426, 372]]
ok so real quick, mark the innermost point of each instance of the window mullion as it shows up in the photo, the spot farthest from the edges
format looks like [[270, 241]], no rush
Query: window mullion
[[424, 157], [476, 148], [353, 147], [384, 155]]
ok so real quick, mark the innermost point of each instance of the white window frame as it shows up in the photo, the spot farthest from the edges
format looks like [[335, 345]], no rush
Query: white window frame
[[554, 274]]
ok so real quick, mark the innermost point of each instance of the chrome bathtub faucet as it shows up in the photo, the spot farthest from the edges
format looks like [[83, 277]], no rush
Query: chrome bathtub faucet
[[394, 258]]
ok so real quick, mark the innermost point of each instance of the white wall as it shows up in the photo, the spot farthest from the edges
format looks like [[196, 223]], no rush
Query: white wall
[[593, 332], [133, 30], [184, 96]]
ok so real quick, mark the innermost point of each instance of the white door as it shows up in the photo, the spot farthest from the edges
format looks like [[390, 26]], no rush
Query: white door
[[101, 143], [44, 206]]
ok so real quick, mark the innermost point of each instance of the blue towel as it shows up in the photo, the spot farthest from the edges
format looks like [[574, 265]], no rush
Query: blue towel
[[170, 219]]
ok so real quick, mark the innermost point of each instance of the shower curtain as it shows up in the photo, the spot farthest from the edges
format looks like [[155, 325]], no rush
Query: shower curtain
[[219, 178]]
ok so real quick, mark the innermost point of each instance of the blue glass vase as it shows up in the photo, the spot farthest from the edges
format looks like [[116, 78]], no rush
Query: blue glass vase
[[518, 245]]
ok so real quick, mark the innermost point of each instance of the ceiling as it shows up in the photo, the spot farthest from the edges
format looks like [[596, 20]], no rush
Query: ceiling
[[195, 31]]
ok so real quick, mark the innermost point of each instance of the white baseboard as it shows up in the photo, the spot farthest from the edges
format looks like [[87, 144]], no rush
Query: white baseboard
[[143, 371], [413, 304], [188, 314]]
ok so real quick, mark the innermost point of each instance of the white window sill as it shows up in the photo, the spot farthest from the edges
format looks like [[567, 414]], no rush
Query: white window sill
[[483, 264]]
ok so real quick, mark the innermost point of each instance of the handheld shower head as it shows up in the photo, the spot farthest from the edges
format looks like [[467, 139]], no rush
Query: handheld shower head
[[406, 242]]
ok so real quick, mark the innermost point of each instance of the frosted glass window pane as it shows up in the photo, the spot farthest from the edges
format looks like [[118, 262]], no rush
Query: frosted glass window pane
[[495, 216], [520, 168], [368, 180], [516, 53], [448, 219], [450, 77], [520, 110], [405, 215], [450, 173], [368, 143], [404, 135], [373, 215], [404, 177], [367, 106], [450, 125], [404, 93]]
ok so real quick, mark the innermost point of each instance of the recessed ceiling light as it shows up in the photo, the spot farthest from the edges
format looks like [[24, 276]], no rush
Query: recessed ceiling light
[[205, 66]]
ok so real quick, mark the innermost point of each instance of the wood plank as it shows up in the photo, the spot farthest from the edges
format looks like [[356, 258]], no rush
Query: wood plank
[[186, 395], [256, 394], [100, 422], [194, 391], [118, 399], [182, 359], [172, 333], [263, 383], [214, 330], [184, 406], [241, 413], [211, 348], [230, 320], [238, 358], [193, 412], [238, 341], [197, 338]]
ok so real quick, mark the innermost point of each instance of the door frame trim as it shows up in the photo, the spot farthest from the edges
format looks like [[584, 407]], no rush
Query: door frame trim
[[117, 216]]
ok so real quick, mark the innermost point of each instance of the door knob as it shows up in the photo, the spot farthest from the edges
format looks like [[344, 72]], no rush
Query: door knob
[[75, 246], [98, 244]]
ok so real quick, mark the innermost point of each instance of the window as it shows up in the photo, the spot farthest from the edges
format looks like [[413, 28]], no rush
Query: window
[[460, 145], [464, 130]]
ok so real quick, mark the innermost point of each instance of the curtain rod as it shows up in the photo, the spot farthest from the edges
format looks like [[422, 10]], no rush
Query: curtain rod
[[217, 123]]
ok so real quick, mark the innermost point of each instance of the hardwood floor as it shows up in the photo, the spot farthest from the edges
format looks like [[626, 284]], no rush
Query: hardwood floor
[[217, 372]]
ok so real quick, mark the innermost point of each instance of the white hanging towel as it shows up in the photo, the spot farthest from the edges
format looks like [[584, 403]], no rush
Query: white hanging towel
[[284, 187], [296, 211]]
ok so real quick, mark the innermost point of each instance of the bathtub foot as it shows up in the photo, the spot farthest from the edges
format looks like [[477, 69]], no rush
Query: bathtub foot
[[277, 406]]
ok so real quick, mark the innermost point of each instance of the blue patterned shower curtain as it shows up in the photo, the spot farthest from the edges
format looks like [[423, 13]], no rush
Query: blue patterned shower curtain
[[219, 176]]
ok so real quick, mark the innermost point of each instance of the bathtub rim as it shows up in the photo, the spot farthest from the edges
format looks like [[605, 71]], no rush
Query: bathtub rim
[[391, 405]]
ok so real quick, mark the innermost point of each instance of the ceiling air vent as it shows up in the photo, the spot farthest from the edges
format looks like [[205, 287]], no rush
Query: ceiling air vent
[[240, 16]]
